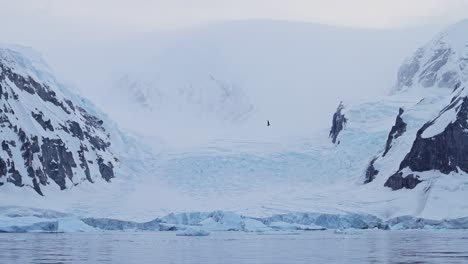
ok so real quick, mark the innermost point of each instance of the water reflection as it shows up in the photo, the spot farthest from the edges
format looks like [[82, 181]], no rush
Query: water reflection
[[372, 246]]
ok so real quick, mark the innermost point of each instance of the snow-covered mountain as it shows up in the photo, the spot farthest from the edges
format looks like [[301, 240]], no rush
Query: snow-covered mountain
[[49, 136], [438, 145], [440, 63], [425, 149], [401, 154]]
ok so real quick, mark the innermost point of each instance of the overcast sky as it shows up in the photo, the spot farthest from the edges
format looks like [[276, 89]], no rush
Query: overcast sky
[[89, 42], [149, 15]]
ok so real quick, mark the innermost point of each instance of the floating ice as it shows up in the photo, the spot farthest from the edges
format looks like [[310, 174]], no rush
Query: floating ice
[[192, 232]]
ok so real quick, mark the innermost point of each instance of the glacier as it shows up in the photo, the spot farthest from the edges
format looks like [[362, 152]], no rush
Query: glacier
[[22, 220]]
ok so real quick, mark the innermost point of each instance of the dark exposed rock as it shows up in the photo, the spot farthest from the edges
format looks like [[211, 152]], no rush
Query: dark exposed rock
[[70, 104], [371, 172], [49, 96], [30, 86], [97, 142], [4, 119], [397, 181], [64, 128], [21, 82], [39, 117], [84, 163], [3, 168], [42, 177], [75, 129], [397, 130], [43, 155], [91, 120], [21, 135], [445, 152], [57, 161], [338, 123], [36, 187], [6, 147], [15, 176], [106, 169], [28, 149]]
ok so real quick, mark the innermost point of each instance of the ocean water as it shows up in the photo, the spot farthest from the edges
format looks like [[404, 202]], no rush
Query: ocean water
[[351, 246]]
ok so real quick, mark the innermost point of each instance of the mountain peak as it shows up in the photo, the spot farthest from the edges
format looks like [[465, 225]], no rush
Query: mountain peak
[[441, 63]]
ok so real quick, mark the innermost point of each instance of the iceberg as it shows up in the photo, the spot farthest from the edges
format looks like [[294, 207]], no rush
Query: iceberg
[[192, 232]]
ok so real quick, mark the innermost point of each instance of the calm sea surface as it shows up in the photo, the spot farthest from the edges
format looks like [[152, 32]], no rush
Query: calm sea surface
[[371, 246]]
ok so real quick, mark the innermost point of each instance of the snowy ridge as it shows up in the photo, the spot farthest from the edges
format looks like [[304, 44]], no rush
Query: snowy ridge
[[441, 63]]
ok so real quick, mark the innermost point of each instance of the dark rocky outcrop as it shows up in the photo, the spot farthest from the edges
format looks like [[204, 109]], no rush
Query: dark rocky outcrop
[[106, 169], [14, 175], [84, 162], [397, 181], [75, 129], [97, 142], [91, 120], [397, 130], [3, 168], [371, 172], [57, 161], [39, 117], [31, 86], [445, 152], [338, 123], [6, 147], [70, 135]]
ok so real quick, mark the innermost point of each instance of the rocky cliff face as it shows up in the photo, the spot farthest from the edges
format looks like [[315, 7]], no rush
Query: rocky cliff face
[[338, 123], [397, 130], [441, 144], [47, 138], [429, 140], [442, 148]]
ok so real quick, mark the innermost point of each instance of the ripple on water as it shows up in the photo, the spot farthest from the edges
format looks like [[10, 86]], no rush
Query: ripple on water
[[422, 246]]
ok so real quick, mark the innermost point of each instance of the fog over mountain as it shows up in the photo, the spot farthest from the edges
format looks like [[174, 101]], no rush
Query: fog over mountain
[[253, 59]]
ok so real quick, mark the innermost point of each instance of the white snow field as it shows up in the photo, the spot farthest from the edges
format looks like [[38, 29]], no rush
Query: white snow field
[[269, 180]]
